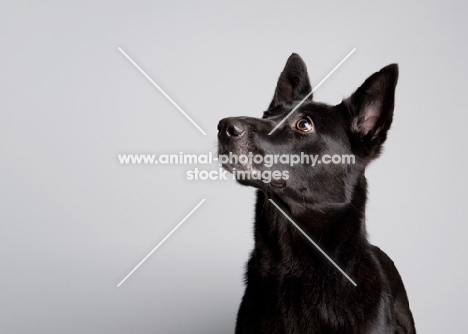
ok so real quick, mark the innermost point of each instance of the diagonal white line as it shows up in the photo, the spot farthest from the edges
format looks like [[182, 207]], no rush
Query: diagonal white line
[[313, 90], [162, 241], [160, 89], [313, 243]]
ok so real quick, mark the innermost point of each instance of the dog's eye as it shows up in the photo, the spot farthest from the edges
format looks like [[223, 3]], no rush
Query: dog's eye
[[304, 124]]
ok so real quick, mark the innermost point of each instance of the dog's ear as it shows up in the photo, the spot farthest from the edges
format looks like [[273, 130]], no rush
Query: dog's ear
[[293, 83], [371, 110]]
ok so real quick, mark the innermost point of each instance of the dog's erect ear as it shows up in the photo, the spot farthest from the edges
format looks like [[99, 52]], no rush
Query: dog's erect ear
[[293, 83], [371, 110]]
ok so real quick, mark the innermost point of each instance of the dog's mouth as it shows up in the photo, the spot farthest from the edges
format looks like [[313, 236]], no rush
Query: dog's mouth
[[229, 159], [238, 161], [233, 143], [238, 154]]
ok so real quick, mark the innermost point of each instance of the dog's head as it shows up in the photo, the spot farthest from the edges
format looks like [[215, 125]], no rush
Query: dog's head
[[357, 127]]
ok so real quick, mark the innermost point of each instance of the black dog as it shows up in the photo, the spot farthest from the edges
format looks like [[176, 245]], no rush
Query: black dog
[[291, 287]]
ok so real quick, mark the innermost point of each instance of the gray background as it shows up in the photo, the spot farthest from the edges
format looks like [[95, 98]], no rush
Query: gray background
[[74, 221]]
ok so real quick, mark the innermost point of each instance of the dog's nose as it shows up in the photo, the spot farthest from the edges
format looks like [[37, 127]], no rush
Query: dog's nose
[[235, 129], [231, 127]]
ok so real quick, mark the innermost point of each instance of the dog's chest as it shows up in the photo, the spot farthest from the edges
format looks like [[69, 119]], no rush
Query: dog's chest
[[309, 303], [324, 304]]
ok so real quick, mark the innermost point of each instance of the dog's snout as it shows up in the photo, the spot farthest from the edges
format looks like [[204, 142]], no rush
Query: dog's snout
[[231, 127]]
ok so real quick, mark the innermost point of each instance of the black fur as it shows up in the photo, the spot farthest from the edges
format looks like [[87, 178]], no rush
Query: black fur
[[290, 286]]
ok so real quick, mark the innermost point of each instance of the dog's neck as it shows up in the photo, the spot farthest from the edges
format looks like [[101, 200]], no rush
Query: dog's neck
[[331, 225]]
